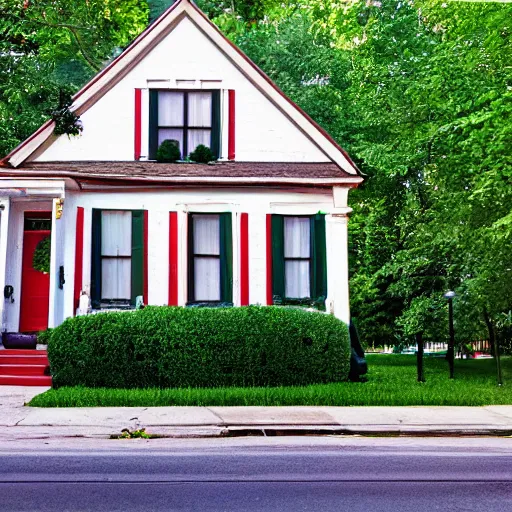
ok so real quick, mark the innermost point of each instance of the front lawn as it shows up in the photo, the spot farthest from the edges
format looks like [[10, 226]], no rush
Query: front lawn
[[391, 381]]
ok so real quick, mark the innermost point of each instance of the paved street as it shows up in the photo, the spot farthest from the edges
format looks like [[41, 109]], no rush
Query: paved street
[[281, 474]]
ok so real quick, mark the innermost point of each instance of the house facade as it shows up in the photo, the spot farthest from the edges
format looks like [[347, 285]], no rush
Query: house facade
[[265, 224]]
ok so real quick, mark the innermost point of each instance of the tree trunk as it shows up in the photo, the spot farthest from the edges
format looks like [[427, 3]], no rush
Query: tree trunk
[[494, 347], [492, 335]]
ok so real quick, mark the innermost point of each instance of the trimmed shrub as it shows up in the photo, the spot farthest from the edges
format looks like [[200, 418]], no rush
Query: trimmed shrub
[[202, 155], [200, 347], [168, 151], [44, 336]]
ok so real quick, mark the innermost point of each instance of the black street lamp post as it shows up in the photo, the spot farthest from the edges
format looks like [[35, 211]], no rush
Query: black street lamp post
[[451, 345]]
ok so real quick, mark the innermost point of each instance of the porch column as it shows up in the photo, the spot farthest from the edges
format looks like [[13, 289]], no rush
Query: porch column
[[337, 302], [56, 310], [5, 207]]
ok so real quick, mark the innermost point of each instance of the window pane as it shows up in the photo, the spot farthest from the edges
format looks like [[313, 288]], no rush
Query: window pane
[[171, 134], [116, 278], [200, 109], [170, 108], [296, 279], [207, 279], [206, 234], [116, 233], [196, 137], [297, 237]]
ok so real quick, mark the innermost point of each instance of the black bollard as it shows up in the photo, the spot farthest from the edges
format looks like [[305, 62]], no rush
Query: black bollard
[[419, 356]]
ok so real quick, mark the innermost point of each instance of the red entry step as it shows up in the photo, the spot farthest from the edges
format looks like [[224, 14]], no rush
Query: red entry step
[[24, 368]]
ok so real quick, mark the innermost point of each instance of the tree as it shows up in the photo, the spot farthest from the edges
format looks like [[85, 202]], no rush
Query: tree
[[49, 45], [419, 94], [438, 116]]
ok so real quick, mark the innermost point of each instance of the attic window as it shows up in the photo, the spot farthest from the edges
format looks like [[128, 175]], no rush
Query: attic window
[[189, 117]]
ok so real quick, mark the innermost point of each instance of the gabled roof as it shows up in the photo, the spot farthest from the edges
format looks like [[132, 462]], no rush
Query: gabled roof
[[144, 43]]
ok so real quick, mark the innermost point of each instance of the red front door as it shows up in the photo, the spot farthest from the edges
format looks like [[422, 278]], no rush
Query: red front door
[[35, 286]]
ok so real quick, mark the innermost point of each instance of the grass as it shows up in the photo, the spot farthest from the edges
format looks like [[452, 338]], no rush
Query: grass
[[391, 381]]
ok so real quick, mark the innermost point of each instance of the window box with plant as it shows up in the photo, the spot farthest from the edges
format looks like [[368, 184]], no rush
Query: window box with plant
[[168, 151], [202, 155], [190, 118]]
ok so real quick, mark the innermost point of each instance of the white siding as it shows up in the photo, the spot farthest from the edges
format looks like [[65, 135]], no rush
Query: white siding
[[160, 203], [257, 203]]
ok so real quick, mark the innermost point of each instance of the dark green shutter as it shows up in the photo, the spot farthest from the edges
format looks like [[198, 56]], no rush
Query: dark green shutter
[[226, 258], [137, 254], [216, 124], [153, 124], [190, 277], [318, 258], [278, 270], [96, 259]]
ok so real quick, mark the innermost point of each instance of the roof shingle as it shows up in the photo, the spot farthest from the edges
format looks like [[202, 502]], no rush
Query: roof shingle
[[153, 170]]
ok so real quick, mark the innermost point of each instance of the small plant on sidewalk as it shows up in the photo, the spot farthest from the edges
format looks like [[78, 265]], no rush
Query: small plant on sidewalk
[[135, 434]]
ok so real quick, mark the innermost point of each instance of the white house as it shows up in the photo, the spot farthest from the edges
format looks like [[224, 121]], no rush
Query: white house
[[266, 224]]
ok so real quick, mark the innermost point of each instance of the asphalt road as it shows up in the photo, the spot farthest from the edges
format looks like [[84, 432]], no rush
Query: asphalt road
[[254, 474]]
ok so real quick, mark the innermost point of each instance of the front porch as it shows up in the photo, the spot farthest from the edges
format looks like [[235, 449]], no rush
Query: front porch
[[30, 212]]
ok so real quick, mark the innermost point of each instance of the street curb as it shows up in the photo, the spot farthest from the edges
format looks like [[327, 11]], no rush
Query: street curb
[[412, 431], [232, 431]]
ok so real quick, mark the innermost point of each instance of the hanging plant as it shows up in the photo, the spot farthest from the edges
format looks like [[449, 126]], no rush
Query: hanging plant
[[42, 254], [66, 122]]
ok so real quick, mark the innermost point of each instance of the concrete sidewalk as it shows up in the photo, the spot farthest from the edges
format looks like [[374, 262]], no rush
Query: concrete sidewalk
[[19, 421]]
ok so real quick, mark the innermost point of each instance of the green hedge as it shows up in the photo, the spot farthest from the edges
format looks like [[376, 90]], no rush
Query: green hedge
[[44, 336], [199, 347]]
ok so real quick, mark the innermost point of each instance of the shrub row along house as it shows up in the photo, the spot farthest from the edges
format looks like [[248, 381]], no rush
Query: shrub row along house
[[97, 215]]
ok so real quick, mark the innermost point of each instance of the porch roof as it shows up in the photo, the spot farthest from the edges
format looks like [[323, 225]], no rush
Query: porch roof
[[221, 173]]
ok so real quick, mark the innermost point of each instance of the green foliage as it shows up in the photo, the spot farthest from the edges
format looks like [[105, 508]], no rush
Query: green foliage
[[49, 45], [391, 382], [66, 122], [228, 14], [157, 7], [44, 336], [433, 130], [245, 11], [42, 254], [419, 95], [133, 434], [199, 347], [168, 151], [504, 328], [426, 315], [202, 155]]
